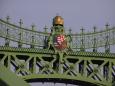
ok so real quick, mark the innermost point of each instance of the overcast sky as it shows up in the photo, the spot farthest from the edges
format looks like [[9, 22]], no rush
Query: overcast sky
[[76, 13]]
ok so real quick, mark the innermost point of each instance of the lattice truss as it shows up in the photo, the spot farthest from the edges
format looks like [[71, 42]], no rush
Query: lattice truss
[[94, 39], [23, 35], [31, 37], [93, 69], [90, 67]]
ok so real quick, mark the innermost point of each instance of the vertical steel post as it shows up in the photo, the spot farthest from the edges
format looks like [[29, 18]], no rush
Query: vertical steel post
[[60, 63], [110, 72], [32, 64], [94, 41], [20, 34], [82, 40], [45, 37], [70, 42], [7, 33], [107, 45], [32, 38]]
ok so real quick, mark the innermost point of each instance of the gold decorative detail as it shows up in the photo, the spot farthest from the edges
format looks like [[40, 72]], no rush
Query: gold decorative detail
[[58, 20]]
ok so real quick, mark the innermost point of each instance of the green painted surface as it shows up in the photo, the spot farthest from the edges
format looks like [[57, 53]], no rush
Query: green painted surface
[[10, 79], [95, 39], [43, 60], [97, 68]]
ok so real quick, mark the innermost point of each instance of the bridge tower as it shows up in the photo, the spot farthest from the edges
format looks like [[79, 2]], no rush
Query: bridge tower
[[56, 56]]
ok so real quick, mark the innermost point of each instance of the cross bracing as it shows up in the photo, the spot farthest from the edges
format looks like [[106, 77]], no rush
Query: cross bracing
[[36, 62]]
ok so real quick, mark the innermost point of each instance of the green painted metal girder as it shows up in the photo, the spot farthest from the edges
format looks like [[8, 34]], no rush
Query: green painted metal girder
[[66, 77], [8, 78], [46, 51], [73, 64], [81, 66], [90, 40]]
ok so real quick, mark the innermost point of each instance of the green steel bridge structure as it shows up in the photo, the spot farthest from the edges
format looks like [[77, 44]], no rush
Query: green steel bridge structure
[[25, 57]]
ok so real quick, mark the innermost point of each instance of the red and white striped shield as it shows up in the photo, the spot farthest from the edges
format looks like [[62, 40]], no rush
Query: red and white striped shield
[[60, 42]]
